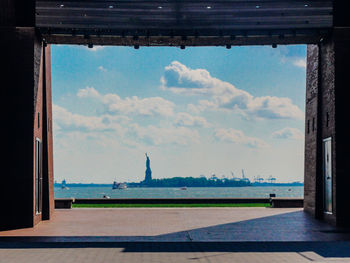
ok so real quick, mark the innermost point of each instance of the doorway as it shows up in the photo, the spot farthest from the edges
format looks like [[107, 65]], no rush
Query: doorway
[[38, 176], [327, 174]]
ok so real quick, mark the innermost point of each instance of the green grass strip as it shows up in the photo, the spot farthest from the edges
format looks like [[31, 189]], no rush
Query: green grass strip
[[167, 205]]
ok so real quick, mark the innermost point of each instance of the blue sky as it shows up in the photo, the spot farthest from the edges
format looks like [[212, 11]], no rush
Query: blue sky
[[198, 111]]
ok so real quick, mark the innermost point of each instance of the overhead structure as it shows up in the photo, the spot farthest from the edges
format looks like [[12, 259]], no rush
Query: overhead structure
[[184, 22]]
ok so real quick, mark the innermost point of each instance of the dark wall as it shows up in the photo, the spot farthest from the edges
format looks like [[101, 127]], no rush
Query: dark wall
[[327, 102], [341, 16], [328, 65], [20, 13], [26, 107], [26, 102], [18, 101], [342, 67]]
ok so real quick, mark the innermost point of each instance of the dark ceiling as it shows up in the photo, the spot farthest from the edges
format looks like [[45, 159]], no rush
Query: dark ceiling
[[184, 22]]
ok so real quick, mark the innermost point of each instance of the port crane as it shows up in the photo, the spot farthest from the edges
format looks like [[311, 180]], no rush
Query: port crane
[[258, 179], [235, 178], [271, 179], [245, 179]]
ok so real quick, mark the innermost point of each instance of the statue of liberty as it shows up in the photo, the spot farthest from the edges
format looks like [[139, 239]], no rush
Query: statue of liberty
[[148, 173]]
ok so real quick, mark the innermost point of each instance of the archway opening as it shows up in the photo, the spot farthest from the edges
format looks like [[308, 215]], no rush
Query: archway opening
[[215, 122]]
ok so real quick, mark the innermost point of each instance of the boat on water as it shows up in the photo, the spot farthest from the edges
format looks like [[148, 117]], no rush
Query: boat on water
[[119, 185], [183, 188]]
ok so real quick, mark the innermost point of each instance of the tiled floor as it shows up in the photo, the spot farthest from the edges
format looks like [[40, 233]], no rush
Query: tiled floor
[[177, 235], [130, 252]]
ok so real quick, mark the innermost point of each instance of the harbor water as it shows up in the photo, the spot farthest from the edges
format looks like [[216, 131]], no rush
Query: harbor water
[[190, 192]]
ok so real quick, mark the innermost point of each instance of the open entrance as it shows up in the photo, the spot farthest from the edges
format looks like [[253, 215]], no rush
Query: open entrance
[[214, 122]]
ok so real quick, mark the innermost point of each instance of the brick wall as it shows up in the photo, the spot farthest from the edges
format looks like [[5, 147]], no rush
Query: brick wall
[[48, 182], [38, 114], [43, 130], [327, 102], [311, 130], [327, 120]]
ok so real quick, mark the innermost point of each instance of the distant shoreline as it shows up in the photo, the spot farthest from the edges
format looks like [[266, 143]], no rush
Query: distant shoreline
[[145, 186]]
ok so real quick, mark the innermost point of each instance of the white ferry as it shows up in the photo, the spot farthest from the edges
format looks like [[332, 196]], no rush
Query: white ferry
[[119, 185]]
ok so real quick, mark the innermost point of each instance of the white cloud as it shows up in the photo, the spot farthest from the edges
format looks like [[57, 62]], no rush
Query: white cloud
[[130, 105], [186, 119], [288, 133], [170, 135], [63, 119], [101, 68], [106, 128], [193, 108], [180, 79], [236, 136], [88, 92], [300, 62]]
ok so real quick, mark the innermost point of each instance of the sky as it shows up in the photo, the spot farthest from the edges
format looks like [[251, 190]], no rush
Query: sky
[[196, 112]]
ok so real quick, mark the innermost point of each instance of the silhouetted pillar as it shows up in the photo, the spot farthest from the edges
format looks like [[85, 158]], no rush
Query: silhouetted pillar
[[25, 94], [328, 65]]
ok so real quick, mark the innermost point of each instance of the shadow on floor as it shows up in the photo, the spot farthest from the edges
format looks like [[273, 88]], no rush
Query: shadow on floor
[[338, 249], [292, 226]]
